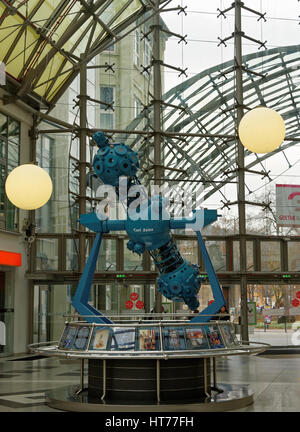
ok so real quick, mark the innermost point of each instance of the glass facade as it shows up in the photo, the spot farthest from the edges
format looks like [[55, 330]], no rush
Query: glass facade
[[9, 159], [7, 314], [217, 254], [52, 308], [47, 254], [270, 256], [197, 99]]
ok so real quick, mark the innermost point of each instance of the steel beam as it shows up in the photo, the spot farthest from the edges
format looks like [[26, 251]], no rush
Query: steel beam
[[82, 161], [241, 167]]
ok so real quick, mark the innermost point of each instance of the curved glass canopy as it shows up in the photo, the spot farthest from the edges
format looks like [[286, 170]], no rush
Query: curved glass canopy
[[205, 104], [42, 41]]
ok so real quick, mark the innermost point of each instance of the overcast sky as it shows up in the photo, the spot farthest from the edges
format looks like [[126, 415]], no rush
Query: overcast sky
[[203, 27]]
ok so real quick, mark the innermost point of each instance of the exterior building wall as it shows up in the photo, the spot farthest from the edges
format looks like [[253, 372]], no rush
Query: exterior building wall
[[17, 286]]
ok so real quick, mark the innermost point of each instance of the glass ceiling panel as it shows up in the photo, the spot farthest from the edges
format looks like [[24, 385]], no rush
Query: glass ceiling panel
[[208, 99], [41, 38]]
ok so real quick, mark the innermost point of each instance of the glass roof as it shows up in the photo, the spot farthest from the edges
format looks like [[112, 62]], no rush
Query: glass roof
[[42, 40], [205, 104]]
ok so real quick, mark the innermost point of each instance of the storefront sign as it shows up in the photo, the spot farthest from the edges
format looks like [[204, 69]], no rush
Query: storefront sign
[[134, 296], [295, 302], [10, 258], [288, 205], [298, 294], [139, 304]]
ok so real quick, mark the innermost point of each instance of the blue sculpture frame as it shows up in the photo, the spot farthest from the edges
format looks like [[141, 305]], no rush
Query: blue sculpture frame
[[80, 300]]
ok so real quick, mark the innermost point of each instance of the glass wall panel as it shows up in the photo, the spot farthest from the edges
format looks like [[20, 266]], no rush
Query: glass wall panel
[[47, 254], [217, 252], [72, 254], [294, 255], [52, 307], [205, 296], [9, 159], [277, 313], [188, 250], [111, 299], [132, 261], [126, 290], [3, 124], [7, 310], [270, 256], [107, 256], [236, 255], [105, 298]]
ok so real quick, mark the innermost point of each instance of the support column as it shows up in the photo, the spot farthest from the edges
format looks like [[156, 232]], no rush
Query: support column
[[241, 172], [157, 118], [82, 160], [31, 249]]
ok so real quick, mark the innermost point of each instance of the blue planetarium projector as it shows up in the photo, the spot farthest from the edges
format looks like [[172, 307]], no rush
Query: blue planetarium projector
[[178, 280]]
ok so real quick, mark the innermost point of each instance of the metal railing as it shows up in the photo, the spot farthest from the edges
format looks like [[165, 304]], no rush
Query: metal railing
[[159, 329]]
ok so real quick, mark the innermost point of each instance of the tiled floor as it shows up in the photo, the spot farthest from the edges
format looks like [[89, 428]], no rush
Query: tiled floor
[[274, 379]]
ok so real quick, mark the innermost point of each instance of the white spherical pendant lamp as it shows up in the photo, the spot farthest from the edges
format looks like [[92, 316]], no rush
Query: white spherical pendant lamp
[[28, 187], [261, 130]]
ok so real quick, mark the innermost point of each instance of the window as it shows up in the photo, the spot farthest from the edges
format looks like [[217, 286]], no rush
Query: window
[[136, 49], [147, 52], [107, 96], [110, 48], [91, 91], [137, 107], [44, 156], [9, 159]]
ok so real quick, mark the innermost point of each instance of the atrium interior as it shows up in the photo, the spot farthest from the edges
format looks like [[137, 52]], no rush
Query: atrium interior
[[170, 81]]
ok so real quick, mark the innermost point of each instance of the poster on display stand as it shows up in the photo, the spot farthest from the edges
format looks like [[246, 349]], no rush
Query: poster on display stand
[[82, 338], [174, 338], [123, 338], [228, 333], [196, 338], [100, 339], [148, 339], [214, 336], [70, 337], [64, 336]]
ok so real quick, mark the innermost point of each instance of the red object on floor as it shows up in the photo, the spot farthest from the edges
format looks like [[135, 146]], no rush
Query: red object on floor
[[10, 258]]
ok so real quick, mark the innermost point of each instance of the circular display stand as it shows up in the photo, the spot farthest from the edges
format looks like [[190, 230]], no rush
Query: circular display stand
[[233, 397], [139, 374]]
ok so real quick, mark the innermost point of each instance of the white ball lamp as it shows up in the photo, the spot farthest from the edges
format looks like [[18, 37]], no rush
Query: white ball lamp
[[28, 187], [261, 130]]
